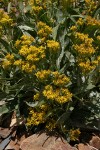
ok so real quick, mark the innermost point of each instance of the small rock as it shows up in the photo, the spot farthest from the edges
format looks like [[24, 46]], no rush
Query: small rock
[[95, 142], [4, 132], [5, 142], [83, 147], [12, 146], [45, 142]]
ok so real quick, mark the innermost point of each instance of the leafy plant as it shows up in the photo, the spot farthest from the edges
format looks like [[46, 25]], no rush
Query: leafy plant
[[50, 64]]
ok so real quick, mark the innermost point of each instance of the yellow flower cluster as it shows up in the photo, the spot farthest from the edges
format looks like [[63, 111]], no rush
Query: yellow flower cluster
[[53, 45], [85, 21], [8, 60], [91, 5], [92, 21], [98, 38], [24, 65], [6, 64], [38, 5], [61, 95], [19, 62], [44, 107], [37, 9], [60, 79], [24, 50], [88, 66], [9, 57], [57, 78], [84, 38], [51, 92], [38, 2], [4, 18], [43, 75], [28, 67], [51, 125], [80, 21], [85, 49], [25, 40], [36, 118], [74, 134], [31, 54], [73, 28], [43, 30], [35, 2], [36, 97]]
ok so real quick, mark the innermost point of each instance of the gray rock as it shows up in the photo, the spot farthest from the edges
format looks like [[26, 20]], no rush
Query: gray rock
[[4, 132], [95, 142], [45, 142]]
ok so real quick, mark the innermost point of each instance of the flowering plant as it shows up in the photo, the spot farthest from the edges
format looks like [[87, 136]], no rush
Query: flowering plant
[[50, 63]]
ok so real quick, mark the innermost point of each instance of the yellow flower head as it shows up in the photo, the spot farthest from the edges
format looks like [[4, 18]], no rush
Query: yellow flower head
[[43, 75], [84, 50], [35, 118], [73, 28], [91, 5], [10, 57], [64, 96], [44, 107], [5, 18], [18, 62], [6, 64], [27, 67], [26, 39], [36, 96], [43, 29], [80, 21], [60, 79], [74, 134], [24, 50], [37, 9], [86, 67], [98, 37], [51, 125], [92, 21], [83, 38], [59, 95], [53, 45], [17, 43]]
